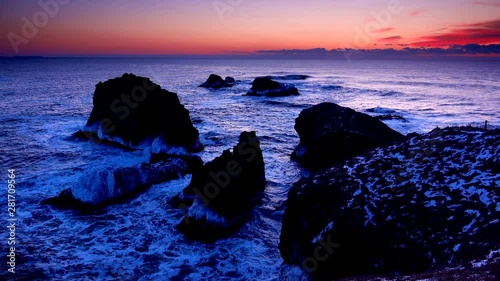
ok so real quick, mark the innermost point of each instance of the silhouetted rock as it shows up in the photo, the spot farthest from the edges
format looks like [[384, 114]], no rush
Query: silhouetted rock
[[216, 82], [134, 111], [223, 192], [330, 133], [100, 187], [428, 201], [265, 86]]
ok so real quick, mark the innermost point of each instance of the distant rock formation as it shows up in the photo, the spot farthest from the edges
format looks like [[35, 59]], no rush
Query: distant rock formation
[[132, 110], [100, 187], [223, 192], [431, 200], [330, 133], [216, 82], [265, 86]]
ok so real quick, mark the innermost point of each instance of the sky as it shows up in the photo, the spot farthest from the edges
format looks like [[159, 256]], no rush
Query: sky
[[229, 27]]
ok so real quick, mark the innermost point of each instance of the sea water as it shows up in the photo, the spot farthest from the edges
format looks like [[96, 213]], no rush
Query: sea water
[[44, 101]]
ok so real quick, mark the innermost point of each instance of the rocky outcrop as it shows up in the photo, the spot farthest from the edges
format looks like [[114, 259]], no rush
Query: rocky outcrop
[[431, 200], [100, 187], [330, 133], [132, 110], [216, 82], [223, 192], [265, 86]]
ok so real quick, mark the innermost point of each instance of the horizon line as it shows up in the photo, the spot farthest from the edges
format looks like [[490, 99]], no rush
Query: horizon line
[[467, 51]]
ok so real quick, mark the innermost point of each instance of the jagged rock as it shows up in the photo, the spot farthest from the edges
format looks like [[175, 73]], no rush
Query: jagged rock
[[330, 133], [431, 200], [216, 82], [133, 111], [223, 192], [265, 86], [100, 187]]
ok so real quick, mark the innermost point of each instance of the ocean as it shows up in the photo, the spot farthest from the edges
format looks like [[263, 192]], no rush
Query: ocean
[[44, 101]]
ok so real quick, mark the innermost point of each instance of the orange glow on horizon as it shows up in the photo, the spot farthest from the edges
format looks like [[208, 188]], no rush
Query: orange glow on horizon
[[194, 27]]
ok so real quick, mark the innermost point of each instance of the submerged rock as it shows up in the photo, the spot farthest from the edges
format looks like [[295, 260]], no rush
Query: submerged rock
[[103, 186], [330, 133], [216, 82], [230, 80], [265, 86], [385, 117], [431, 200], [132, 110], [223, 192]]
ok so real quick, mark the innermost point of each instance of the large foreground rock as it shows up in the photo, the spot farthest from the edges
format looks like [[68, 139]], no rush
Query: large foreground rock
[[429, 201], [216, 82], [330, 133], [133, 111], [265, 86], [99, 187], [223, 192]]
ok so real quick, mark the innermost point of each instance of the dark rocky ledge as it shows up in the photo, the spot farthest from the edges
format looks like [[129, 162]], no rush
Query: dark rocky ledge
[[429, 201]]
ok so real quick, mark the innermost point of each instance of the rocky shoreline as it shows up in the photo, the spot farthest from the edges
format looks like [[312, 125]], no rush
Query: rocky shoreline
[[428, 201], [375, 203]]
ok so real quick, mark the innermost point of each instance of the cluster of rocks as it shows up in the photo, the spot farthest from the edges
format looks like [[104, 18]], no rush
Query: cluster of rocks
[[131, 111], [375, 199], [261, 86]]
